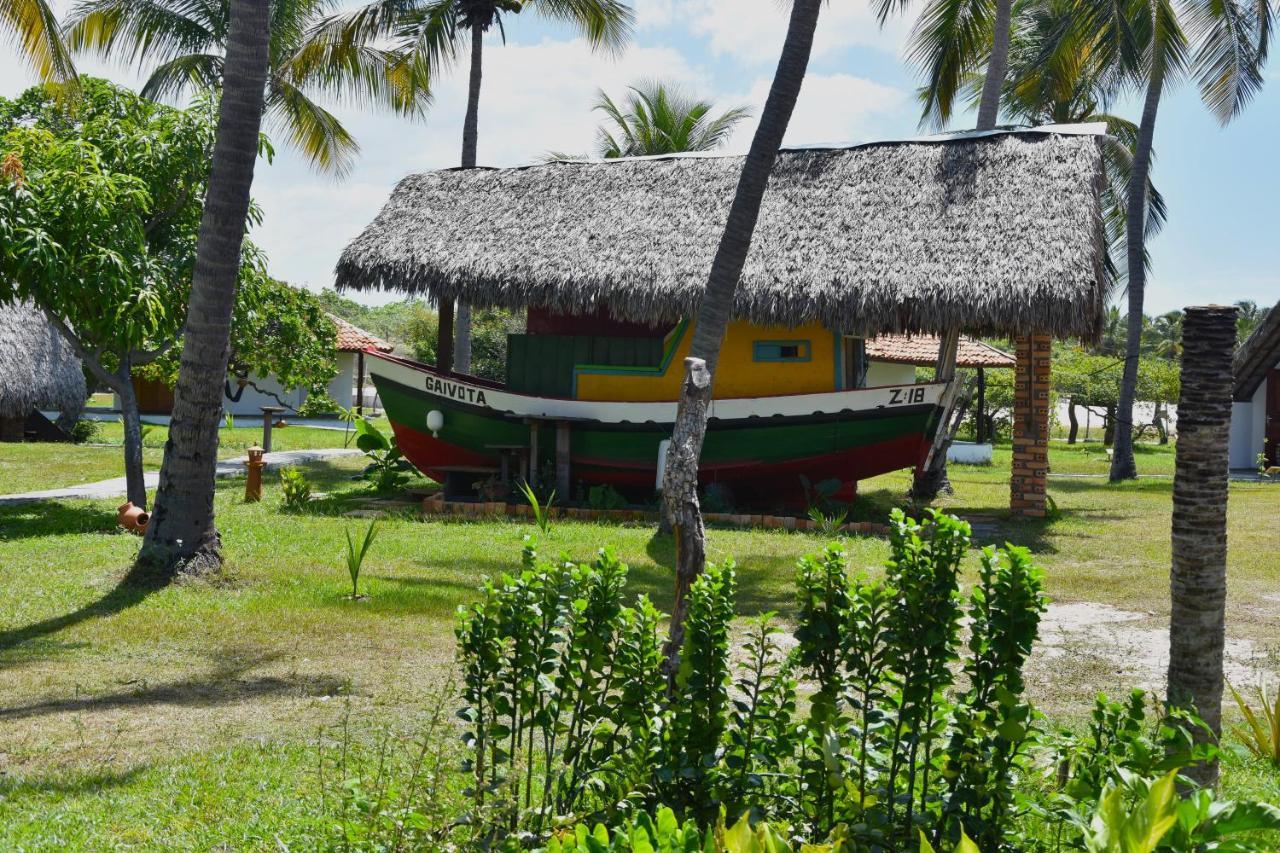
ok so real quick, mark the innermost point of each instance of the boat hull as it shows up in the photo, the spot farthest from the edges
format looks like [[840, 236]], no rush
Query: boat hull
[[758, 448]]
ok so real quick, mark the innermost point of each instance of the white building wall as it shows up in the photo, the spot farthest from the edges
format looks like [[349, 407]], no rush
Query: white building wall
[[1249, 428], [341, 389]]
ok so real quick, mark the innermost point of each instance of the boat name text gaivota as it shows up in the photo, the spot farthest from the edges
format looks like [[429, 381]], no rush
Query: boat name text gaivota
[[456, 391]]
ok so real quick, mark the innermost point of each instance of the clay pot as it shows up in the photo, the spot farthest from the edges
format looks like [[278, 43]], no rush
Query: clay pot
[[133, 518]]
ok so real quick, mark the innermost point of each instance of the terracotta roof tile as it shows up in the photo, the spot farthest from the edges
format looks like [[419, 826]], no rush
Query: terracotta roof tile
[[923, 350], [354, 339]]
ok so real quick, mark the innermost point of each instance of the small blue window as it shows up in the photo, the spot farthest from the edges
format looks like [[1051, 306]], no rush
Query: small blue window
[[782, 351]]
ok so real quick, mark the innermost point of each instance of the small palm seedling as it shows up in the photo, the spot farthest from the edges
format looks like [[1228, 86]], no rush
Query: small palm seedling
[[229, 422], [355, 558], [541, 512], [828, 523], [1260, 736]]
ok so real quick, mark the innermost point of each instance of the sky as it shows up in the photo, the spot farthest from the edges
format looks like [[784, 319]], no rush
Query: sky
[[1222, 185]]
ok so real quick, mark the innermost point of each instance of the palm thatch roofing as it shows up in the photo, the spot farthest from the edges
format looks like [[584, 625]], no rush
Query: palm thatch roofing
[[923, 350], [1257, 355], [996, 232], [38, 370]]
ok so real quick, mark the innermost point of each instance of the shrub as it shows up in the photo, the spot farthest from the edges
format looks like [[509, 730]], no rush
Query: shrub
[[605, 497], [387, 469], [295, 491]]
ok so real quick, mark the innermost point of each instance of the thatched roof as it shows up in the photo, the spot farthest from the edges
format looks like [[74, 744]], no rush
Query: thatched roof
[[1257, 355], [923, 350], [37, 367], [998, 233]]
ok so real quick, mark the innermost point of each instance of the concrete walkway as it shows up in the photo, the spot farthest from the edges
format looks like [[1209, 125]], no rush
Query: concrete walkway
[[115, 487]]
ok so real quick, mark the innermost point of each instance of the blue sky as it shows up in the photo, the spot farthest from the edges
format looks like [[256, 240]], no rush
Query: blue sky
[[1221, 184]]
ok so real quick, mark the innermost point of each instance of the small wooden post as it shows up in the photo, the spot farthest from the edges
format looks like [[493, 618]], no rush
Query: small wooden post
[[1198, 580], [360, 383], [268, 415], [982, 406], [253, 483], [564, 481]]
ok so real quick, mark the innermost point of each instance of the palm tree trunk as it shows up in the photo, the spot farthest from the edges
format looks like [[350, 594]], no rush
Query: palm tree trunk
[[135, 488], [470, 137], [1123, 466], [1198, 581], [182, 535], [680, 484], [1074, 432], [997, 67]]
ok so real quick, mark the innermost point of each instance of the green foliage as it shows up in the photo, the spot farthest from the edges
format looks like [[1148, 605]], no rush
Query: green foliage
[[1260, 736], [85, 430], [489, 330], [295, 491], [605, 497], [829, 524], [387, 469], [541, 510], [354, 557], [657, 118]]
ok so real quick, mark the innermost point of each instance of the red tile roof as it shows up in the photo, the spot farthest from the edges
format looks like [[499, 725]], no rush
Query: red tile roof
[[923, 349], [354, 339]]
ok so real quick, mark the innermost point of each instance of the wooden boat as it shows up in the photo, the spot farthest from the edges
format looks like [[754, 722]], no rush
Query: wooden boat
[[757, 447]]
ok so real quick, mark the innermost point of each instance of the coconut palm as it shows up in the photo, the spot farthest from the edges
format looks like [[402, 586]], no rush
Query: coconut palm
[[1223, 44], [680, 494], [184, 42], [182, 535], [1250, 315], [658, 119], [432, 33], [32, 24]]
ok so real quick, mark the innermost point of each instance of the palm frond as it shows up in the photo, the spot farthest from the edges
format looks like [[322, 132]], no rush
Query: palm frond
[[359, 74], [606, 24], [430, 36], [146, 30], [314, 131], [199, 71], [1232, 41], [951, 39], [33, 26]]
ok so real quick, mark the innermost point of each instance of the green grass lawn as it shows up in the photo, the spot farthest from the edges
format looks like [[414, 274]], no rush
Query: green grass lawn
[[187, 717], [36, 467]]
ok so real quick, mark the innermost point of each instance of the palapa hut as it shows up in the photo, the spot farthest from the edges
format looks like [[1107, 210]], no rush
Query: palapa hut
[[38, 371], [991, 233], [1255, 410]]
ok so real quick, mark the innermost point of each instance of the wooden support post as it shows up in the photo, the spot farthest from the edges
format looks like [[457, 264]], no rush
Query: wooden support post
[[564, 480], [1028, 485], [360, 383], [1198, 579], [982, 406], [532, 479], [931, 475], [444, 336]]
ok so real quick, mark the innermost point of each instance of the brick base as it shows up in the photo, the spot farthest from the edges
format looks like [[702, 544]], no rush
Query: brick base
[[1028, 485]]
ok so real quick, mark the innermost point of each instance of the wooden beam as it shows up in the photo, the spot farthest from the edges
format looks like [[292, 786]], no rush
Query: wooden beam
[[945, 371]]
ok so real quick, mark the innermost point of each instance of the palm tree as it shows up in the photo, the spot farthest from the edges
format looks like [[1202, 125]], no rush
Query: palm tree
[[184, 43], [34, 26], [1164, 335], [431, 33], [1249, 317], [182, 535], [657, 119], [1224, 45], [680, 487], [952, 39]]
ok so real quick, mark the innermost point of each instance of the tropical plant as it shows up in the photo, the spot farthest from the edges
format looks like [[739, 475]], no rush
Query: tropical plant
[[1250, 315], [1223, 44], [295, 491], [33, 26], [829, 524], [679, 493], [354, 557], [657, 118], [429, 34], [541, 510], [182, 535], [185, 44], [605, 497], [387, 469], [1259, 736]]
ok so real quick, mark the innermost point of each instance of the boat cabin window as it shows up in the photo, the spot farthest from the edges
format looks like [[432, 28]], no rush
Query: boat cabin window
[[854, 364], [782, 351]]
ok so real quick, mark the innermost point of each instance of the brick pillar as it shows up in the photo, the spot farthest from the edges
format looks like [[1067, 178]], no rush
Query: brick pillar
[[1029, 483]]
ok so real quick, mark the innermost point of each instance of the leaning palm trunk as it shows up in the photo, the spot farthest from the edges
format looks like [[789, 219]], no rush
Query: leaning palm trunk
[[182, 535], [1198, 580], [1123, 466], [680, 495], [470, 137], [932, 480]]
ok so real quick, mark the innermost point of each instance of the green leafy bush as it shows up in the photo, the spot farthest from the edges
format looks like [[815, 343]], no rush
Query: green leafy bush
[[295, 491], [605, 497], [388, 470]]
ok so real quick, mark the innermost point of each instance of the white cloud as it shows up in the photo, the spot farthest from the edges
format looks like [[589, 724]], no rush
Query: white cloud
[[832, 108], [752, 31]]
